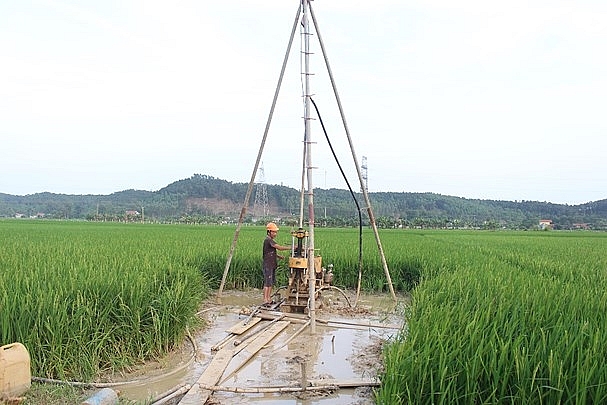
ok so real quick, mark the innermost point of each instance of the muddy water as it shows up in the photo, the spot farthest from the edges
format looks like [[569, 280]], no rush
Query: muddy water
[[337, 351]]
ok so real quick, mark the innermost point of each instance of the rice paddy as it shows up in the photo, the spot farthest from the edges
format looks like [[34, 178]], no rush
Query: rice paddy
[[496, 317], [508, 318]]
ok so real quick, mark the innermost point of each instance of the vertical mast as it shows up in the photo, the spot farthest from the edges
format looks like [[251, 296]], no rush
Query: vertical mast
[[309, 167]]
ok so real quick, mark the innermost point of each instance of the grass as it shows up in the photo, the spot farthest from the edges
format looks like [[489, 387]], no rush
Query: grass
[[52, 394]]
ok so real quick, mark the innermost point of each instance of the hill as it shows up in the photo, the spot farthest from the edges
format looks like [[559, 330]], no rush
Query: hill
[[205, 199]]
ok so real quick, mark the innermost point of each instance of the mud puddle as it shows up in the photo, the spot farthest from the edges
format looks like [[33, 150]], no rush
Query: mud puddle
[[345, 348]]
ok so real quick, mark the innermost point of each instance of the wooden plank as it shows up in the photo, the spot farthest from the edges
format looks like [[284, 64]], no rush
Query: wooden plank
[[275, 315], [243, 326], [210, 376], [198, 394], [255, 332], [256, 344]]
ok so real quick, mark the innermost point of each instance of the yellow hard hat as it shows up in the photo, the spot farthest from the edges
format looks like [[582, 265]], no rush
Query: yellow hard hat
[[271, 226]]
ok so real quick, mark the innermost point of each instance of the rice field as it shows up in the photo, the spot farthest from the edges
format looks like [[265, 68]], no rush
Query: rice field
[[503, 318], [497, 317], [89, 298]]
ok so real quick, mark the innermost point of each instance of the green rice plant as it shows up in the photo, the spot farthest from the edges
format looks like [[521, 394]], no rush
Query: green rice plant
[[496, 317], [86, 298], [508, 322]]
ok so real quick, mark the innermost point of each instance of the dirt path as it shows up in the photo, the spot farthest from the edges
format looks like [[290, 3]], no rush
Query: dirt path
[[339, 351]]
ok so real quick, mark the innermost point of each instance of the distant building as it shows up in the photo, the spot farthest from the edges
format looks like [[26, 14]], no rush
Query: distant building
[[581, 226], [132, 215], [38, 215], [545, 224]]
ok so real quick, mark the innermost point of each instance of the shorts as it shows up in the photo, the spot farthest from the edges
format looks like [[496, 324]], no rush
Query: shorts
[[269, 277]]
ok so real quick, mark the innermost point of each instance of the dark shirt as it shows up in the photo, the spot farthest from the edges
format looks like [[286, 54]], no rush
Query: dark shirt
[[270, 259]]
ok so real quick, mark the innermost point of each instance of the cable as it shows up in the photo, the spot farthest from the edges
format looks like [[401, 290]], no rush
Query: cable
[[360, 221]]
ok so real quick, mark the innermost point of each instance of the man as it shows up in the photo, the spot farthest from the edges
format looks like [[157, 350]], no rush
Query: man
[[270, 261]]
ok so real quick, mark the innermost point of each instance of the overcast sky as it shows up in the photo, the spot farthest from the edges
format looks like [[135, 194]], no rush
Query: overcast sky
[[476, 99]]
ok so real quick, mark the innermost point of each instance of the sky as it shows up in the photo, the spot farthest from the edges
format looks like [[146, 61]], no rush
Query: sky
[[475, 99]]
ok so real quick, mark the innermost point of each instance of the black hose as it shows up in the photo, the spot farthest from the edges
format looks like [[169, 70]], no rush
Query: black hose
[[360, 220]]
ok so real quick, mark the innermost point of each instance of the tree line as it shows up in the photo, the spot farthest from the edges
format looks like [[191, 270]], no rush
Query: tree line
[[205, 199]]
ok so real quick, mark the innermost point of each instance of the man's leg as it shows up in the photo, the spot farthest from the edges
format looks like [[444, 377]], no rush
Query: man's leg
[[273, 281], [266, 294], [267, 285]]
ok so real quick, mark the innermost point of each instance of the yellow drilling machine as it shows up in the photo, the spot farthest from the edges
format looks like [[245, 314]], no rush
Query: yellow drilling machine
[[298, 289]]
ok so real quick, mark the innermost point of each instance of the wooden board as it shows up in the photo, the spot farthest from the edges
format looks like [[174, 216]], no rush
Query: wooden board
[[198, 395], [243, 326], [246, 353], [211, 375]]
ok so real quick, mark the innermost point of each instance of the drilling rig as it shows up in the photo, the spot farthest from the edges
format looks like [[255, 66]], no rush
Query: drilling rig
[[298, 289], [307, 277]]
